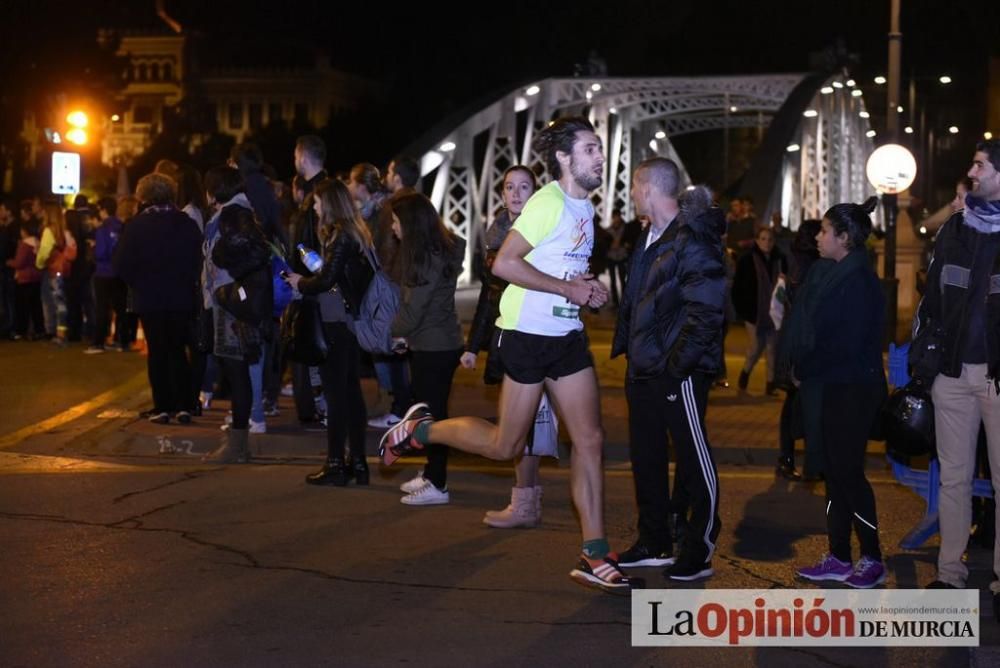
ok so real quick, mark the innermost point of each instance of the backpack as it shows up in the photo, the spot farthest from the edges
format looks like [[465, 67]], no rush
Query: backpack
[[373, 324]]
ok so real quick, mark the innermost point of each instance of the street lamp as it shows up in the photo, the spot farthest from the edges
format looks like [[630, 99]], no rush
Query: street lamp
[[891, 169], [78, 121]]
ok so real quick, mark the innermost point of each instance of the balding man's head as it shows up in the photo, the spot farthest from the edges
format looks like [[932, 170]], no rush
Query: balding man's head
[[661, 174]]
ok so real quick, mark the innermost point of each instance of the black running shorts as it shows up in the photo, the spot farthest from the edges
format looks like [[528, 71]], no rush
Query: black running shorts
[[531, 358]]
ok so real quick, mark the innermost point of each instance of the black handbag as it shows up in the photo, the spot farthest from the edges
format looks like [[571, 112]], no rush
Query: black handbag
[[302, 336]]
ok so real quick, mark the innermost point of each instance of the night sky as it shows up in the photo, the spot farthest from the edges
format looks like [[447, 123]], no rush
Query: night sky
[[435, 59]]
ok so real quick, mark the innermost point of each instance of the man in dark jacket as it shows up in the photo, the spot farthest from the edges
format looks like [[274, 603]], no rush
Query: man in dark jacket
[[956, 352], [109, 290], [248, 159], [310, 155], [670, 329]]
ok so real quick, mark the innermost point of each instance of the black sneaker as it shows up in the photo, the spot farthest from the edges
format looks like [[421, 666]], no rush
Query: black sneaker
[[183, 417], [688, 571], [641, 556], [940, 584]]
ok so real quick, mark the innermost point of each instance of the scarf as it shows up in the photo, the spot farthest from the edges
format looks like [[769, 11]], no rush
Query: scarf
[[824, 277], [981, 215]]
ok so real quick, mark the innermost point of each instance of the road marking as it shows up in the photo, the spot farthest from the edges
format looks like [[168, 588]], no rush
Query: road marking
[[15, 463], [128, 387]]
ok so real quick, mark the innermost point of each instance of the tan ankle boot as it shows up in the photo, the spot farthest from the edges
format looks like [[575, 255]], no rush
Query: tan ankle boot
[[234, 448], [522, 511]]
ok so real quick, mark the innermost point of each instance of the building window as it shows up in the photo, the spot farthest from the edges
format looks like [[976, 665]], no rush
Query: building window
[[255, 114], [236, 115], [142, 114], [143, 72], [154, 72], [168, 72], [274, 112], [301, 113]]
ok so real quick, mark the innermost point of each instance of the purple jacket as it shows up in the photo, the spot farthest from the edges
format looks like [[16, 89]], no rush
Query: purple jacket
[[106, 237]]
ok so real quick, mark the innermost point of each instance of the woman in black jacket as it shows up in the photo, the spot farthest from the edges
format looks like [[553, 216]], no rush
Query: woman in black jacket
[[236, 255], [834, 342], [339, 288], [756, 273]]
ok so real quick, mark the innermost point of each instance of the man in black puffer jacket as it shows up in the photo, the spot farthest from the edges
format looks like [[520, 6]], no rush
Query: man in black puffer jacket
[[670, 329]]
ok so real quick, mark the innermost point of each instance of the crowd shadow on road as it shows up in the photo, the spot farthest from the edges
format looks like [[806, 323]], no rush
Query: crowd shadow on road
[[775, 519]]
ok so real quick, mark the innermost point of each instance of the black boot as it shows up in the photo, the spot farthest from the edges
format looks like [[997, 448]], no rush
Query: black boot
[[333, 473], [743, 381], [786, 469], [359, 469]]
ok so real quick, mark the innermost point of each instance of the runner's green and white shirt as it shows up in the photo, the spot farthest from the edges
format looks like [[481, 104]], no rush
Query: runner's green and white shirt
[[560, 229]]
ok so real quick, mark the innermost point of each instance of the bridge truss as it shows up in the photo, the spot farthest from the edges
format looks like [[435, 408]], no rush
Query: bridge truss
[[636, 118]]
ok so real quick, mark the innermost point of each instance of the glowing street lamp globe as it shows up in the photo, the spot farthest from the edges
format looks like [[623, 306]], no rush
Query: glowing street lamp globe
[[891, 169]]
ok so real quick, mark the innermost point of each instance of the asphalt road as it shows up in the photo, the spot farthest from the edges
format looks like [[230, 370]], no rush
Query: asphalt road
[[113, 553]]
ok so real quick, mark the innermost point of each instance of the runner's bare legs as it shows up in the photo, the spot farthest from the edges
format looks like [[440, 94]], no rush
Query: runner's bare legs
[[576, 399], [503, 441]]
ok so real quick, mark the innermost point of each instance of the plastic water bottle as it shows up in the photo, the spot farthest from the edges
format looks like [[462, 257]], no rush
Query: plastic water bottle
[[311, 259]]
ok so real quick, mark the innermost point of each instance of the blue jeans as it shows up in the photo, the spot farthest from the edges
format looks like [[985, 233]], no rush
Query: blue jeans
[[393, 373], [257, 388]]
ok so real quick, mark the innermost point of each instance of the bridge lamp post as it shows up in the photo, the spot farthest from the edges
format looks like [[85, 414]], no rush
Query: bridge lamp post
[[891, 170]]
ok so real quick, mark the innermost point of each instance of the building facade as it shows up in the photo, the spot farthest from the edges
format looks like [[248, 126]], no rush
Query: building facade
[[161, 73]]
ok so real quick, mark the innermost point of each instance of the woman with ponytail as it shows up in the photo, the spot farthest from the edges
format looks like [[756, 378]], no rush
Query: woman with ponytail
[[834, 343]]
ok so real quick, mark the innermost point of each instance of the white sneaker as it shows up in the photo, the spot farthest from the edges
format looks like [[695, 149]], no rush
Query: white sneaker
[[205, 398], [416, 484], [384, 421], [287, 391], [428, 495], [253, 428]]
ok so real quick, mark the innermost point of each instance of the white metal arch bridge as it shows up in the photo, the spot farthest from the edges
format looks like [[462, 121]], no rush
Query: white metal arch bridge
[[813, 154]]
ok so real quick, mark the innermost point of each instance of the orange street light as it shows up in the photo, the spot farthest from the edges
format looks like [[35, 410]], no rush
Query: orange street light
[[77, 119], [76, 136]]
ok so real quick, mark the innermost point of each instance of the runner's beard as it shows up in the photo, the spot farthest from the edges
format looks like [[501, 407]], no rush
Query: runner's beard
[[589, 181]]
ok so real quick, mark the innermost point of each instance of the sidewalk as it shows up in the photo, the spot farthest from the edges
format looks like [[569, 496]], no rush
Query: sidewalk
[[743, 430]]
